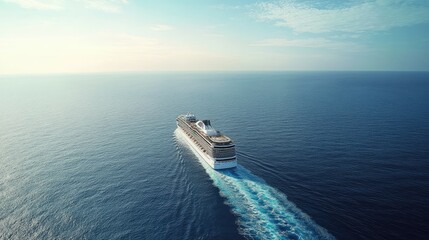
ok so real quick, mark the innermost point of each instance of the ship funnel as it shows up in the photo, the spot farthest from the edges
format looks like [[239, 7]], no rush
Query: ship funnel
[[205, 126]]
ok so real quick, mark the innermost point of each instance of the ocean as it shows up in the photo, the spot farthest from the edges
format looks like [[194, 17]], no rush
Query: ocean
[[322, 155]]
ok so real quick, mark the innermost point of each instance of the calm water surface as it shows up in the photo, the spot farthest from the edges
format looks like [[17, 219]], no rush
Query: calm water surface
[[322, 155]]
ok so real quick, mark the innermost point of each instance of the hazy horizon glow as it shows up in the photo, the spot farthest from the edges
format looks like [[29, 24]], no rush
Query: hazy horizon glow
[[58, 36]]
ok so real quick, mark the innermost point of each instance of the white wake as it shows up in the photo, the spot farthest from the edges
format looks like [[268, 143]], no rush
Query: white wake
[[263, 212]]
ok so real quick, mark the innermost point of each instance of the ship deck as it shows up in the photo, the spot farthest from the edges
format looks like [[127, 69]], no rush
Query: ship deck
[[222, 139]]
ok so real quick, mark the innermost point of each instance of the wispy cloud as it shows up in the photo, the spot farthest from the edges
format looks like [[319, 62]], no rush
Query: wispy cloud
[[161, 27], [365, 16], [308, 43], [38, 4], [112, 6]]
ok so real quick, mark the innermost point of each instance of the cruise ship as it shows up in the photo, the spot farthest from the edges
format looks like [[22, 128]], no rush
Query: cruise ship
[[216, 149]]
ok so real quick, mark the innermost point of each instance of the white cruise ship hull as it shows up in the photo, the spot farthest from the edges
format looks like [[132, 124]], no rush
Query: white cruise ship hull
[[205, 157]]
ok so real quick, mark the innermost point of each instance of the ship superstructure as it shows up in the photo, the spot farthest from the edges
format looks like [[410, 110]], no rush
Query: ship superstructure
[[216, 149]]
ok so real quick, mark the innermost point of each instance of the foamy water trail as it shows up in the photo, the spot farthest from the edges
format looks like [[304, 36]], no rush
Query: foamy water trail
[[263, 212]]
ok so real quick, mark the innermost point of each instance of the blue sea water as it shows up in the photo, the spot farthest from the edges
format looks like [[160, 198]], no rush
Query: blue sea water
[[322, 155]]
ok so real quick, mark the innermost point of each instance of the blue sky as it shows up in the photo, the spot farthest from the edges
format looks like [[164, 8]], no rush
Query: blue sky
[[57, 36]]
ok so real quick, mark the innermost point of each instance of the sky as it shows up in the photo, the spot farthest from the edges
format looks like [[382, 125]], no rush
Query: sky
[[83, 36]]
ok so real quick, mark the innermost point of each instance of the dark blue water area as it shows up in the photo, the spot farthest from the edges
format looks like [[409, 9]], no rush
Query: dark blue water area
[[322, 154]]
